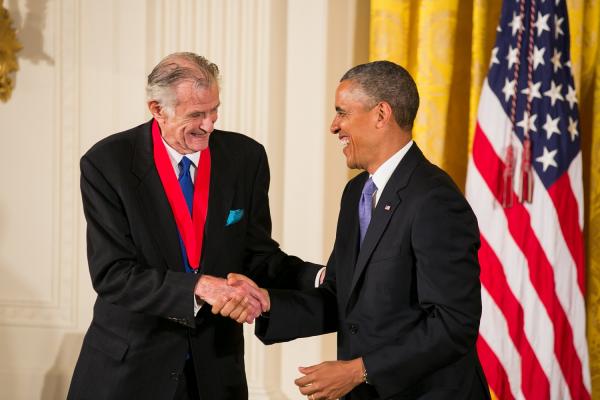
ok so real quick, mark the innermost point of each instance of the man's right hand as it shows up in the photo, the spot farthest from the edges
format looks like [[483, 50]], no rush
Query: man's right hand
[[243, 301], [235, 280]]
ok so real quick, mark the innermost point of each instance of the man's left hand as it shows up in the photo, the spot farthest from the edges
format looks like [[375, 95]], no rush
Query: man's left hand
[[330, 379]]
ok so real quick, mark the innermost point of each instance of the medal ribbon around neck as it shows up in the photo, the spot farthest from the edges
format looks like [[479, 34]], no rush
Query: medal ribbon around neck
[[191, 228]]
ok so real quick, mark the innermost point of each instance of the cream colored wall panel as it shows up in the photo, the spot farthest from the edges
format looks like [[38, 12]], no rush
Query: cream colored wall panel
[[36, 362], [129, 68], [28, 154], [113, 68], [98, 83], [22, 384], [305, 125], [319, 50], [112, 96], [269, 97], [45, 284], [39, 223]]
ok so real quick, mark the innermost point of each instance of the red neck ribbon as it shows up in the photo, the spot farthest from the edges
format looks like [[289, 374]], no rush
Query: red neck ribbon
[[191, 228]]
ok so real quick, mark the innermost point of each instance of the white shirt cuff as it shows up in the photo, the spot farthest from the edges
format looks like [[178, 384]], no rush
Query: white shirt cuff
[[197, 305], [318, 277]]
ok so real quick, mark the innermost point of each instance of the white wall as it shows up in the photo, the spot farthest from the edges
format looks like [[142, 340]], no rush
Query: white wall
[[81, 77]]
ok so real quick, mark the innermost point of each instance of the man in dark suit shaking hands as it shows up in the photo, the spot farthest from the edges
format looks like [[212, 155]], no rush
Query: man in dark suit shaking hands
[[172, 206], [402, 287]]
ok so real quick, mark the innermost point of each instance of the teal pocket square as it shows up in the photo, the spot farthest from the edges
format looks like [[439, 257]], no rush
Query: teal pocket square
[[234, 216]]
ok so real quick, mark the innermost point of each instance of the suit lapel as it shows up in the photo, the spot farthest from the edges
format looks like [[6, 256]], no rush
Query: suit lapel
[[220, 197], [154, 201], [382, 214], [347, 237]]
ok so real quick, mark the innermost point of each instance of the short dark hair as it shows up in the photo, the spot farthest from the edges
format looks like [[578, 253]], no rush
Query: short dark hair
[[389, 82]]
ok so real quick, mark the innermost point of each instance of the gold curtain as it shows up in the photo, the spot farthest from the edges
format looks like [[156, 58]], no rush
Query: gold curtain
[[446, 46]]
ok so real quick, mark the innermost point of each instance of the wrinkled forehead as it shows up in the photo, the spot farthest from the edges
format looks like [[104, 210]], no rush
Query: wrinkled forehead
[[187, 92]]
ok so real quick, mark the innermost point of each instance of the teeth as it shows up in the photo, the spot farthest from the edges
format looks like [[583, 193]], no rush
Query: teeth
[[344, 141]]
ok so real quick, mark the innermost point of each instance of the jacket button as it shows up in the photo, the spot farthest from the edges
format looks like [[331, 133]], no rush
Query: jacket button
[[175, 376], [353, 329]]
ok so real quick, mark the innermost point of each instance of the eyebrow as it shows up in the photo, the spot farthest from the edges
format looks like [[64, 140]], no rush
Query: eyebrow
[[191, 114]]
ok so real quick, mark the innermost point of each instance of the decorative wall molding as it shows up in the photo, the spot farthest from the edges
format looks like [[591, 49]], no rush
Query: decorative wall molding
[[59, 311]]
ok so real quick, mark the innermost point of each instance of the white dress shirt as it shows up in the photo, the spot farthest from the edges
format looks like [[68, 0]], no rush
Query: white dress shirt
[[175, 159], [385, 170]]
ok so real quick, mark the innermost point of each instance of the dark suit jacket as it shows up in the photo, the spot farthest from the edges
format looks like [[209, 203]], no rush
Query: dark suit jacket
[[408, 301], [143, 324]]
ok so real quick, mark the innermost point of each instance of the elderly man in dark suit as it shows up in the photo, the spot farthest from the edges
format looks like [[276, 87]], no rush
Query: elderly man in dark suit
[[402, 287], [173, 206]]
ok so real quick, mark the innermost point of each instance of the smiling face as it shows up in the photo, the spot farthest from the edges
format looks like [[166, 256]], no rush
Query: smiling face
[[188, 126], [355, 124]]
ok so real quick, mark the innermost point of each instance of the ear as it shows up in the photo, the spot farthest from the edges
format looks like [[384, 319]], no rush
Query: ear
[[384, 114], [156, 110]]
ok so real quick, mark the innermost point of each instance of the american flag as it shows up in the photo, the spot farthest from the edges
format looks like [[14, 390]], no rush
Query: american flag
[[532, 341]]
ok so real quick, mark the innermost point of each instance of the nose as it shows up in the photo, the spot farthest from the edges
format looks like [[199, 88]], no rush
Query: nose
[[208, 124], [334, 128]]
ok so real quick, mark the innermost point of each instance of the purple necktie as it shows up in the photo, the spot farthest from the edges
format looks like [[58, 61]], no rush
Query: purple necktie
[[365, 207]]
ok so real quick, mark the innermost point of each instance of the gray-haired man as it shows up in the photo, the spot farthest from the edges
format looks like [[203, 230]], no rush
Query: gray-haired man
[[173, 206]]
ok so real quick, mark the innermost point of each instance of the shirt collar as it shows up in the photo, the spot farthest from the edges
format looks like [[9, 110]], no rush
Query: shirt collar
[[385, 170], [176, 157]]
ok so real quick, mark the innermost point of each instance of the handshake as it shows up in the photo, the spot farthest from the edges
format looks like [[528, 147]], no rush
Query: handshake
[[236, 297]]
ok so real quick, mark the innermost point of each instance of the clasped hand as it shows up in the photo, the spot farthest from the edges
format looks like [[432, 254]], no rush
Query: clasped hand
[[236, 297]]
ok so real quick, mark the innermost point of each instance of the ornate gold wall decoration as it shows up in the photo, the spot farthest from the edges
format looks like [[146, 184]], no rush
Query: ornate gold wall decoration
[[9, 45]]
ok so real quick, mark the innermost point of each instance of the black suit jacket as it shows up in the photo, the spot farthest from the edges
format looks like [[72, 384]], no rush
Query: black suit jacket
[[408, 301], [143, 323]]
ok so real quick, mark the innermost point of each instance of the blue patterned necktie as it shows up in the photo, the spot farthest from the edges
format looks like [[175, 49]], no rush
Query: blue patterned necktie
[[365, 207], [187, 188], [185, 181]]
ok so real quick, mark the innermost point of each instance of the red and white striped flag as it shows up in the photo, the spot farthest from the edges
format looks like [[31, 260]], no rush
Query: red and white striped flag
[[524, 183]]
